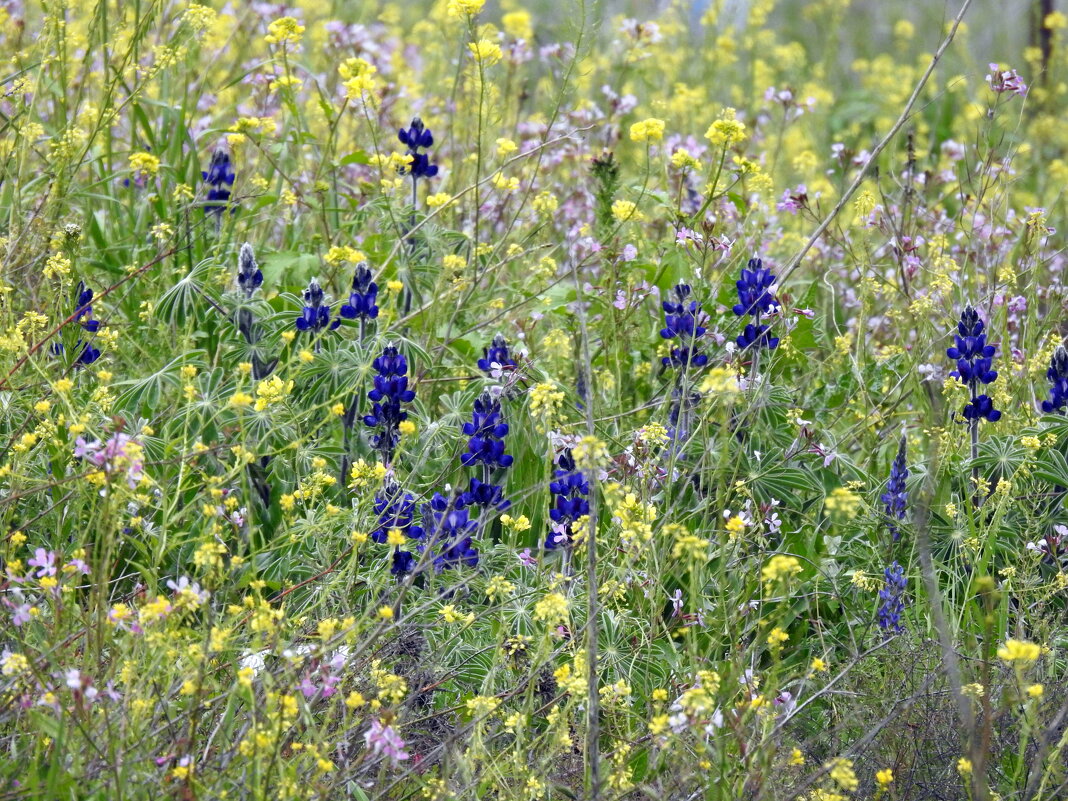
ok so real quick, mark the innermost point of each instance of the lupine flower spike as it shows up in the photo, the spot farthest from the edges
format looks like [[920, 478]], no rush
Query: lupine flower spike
[[683, 318], [362, 302], [570, 491], [486, 432], [83, 315], [315, 316], [220, 179], [417, 137], [496, 358], [974, 368], [756, 299], [891, 600], [1058, 379], [449, 528], [895, 497], [395, 510], [683, 321], [85, 309], [390, 391], [974, 360]]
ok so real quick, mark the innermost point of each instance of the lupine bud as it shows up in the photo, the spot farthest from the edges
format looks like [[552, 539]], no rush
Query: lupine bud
[[249, 276], [220, 178], [891, 598]]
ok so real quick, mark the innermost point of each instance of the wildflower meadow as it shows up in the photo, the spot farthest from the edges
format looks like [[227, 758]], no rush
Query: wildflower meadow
[[479, 399]]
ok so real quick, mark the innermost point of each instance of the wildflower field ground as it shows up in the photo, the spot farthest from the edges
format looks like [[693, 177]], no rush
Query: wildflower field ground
[[476, 400]]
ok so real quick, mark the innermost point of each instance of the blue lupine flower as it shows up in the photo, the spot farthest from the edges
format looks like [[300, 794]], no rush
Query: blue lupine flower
[[974, 364], [981, 406], [315, 315], [496, 356], [395, 509], [84, 309], [403, 562], [83, 315], [1058, 378], [682, 404], [892, 602], [570, 491], [417, 136], [449, 528], [487, 432], [220, 178], [758, 335], [973, 355], [390, 391], [249, 276], [88, 354], [361, 303], [683, 320], [755, 299], [754, 291], [486, 495], [895, 497]]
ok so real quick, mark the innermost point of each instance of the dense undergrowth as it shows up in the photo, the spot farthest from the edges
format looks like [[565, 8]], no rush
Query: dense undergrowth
[[334, 336]]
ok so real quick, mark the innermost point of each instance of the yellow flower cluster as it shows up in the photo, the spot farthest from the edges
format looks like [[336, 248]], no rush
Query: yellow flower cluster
[[485, 52], [284, 31], [780, 568], [552, 609], [462, 8], [648, 130], [145, 164], [727, 130], [1019, 653]]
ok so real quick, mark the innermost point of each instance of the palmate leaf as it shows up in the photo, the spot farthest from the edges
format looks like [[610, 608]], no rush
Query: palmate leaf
[[1004, 455], [781, 483], [182, 301], [1052, 467], [143, 395]]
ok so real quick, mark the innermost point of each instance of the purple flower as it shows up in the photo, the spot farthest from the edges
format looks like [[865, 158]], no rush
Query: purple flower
[[46, 560], [1005, 80], [383, 739]]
